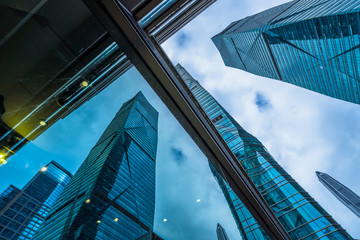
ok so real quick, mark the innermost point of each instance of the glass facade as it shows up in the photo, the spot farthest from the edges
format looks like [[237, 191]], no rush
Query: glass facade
[[112, 195], [150, 236], [22, 212], [311, 44], [66, 57], [221, 233], [350, 199], [301, 216], [7, 196]]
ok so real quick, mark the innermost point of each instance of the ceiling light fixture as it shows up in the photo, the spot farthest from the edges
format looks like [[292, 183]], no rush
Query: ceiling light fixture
[[84, 84], [43, 122]]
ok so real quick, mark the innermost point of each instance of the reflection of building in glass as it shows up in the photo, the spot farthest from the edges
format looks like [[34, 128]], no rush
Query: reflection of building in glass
[[112, 195], [311, 44], [66, 57], [300, 215], [22, 211], [350, 199], [221, 233], [8, 195]]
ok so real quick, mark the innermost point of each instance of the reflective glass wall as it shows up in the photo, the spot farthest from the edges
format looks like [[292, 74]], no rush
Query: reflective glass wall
[[188, 201]]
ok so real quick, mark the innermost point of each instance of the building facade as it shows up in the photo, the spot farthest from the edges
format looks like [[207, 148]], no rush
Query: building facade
[[300, 215], [150, 236], [8, 195], [221, 233], [23, 211], [311, 44], [112, 195], [350, 199]]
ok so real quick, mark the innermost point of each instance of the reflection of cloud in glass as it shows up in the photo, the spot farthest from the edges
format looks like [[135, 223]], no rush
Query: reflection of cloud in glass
[[303, 127], [178, 155]]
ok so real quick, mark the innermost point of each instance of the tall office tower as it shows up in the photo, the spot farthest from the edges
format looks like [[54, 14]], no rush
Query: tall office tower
[[221, 233], [300, 215], [8, 195], [23, 211], [112, 195], [311, 44], [350, 199]]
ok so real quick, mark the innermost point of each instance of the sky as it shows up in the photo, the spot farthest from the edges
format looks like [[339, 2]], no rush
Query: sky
[[304, 131]]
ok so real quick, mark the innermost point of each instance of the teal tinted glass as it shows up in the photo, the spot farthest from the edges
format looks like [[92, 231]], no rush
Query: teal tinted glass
[[311, 44], [301, 216]]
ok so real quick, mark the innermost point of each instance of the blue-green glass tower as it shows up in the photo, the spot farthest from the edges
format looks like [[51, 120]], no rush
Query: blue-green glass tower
[[350, 199], [308, 43], [23, 211], [112, 195], [221, 233], [300, 215]]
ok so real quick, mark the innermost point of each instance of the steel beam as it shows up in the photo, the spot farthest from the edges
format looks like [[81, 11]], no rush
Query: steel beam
[[150, 60]]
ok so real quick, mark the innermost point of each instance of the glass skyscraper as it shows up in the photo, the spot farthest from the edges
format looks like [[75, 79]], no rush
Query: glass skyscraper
[[313, 44], [23, 211], [350, 199], [8, 195], [112, 195], [300, 215], [221, 233]]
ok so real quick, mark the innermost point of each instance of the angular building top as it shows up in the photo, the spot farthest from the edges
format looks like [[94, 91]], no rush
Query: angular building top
[[300, 215], [311, 44], [23, 211], [112, 195], [350, 199], [221, 233], [8, 195]]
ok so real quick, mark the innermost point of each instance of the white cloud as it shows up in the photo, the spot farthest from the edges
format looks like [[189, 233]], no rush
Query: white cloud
[[304, 131]]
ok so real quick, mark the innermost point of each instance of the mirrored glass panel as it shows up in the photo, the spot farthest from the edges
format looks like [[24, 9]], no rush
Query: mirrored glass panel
[[88, 150]]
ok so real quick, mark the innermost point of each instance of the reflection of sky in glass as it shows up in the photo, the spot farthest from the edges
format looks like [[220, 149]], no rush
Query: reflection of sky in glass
[[311, 130], [196, 180], [32, 205]]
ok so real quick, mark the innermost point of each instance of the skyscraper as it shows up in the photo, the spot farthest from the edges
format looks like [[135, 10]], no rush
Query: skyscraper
[[8, 195], [300, 215], [221, 233], [350, 199], [112, 195], [311, 44], [23, 211]]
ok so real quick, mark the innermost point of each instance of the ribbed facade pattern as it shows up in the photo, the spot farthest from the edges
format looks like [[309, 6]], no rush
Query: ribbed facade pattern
[[23, 211], [350, 199], [112, 195], [313, 44], [301, 216]]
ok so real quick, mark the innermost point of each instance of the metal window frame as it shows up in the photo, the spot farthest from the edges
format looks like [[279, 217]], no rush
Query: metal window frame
[[152, 62]]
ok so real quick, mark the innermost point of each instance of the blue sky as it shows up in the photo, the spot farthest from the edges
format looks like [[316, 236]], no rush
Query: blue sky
[[304, 131]]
